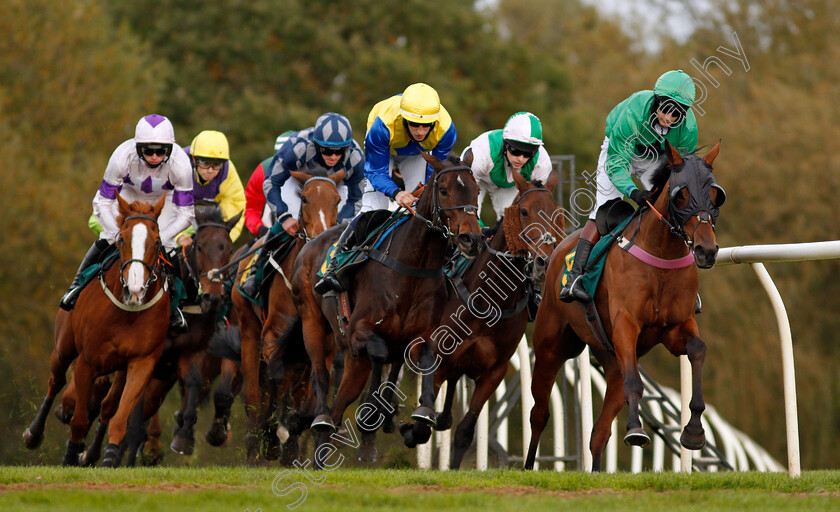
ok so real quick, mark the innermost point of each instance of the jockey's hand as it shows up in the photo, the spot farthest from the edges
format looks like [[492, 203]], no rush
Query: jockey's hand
[[641, 197], [185, 241], [405, 199], [290, 225]]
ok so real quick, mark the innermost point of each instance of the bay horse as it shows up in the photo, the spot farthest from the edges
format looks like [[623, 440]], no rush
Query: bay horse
[[395, 298], [642, 303], [120, 325], [483, 323], [261, 328]]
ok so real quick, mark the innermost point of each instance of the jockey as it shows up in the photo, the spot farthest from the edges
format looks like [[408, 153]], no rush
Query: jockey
[[257, 214], [215, 178], [498, 153], [634, 146], [143, 168], [399, 129], [323, 150]]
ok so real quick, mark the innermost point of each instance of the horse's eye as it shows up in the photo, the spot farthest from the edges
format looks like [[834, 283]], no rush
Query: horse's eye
[[524, 212], [303, 200], [444, 192]]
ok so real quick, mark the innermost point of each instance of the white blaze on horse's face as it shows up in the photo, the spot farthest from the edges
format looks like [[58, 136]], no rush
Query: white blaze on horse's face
[[323, 219], [136, 270]]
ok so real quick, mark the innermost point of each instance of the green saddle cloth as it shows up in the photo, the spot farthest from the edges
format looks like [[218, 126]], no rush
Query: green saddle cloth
[[359, 253], [597, 258]]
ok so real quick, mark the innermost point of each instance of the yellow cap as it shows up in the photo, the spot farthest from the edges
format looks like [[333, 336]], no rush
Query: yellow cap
[[210, 144], [420, 103]]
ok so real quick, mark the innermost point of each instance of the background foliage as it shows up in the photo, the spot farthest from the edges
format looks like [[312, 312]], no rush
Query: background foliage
[[75, 77]]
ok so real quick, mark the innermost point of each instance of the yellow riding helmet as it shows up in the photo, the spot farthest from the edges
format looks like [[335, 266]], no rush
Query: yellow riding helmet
[[210, 144], [420, 103]]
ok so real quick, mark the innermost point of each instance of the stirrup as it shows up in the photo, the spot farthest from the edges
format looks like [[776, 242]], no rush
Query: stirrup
[[249, 288], [572, 292], [177, 322]]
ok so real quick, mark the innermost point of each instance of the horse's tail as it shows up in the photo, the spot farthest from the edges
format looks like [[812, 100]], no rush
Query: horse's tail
[[290, 351], [226, 343]]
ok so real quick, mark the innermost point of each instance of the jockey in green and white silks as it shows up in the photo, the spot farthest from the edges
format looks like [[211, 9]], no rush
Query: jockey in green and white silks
[[496, 154], [634, 145]]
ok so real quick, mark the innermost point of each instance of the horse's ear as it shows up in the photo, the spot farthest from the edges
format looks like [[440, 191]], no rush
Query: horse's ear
[[468, 157], [674, 156], [159, 206], [552, 180], [122, 205], [301, 177], [337, 177], [231, 222], [521, 183], [436, 163], [711, 155]]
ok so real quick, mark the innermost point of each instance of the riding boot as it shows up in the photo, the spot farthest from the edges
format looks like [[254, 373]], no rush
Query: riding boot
[[250, 288], [330, 281], [68, 301], [574, 286]]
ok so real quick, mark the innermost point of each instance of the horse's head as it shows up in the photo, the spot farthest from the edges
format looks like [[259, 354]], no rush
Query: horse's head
[[210, 251], [139, 245], [451, 203], [319, 200], [694, 199], [533, 223]]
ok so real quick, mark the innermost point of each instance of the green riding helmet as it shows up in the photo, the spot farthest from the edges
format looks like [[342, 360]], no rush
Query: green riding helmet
[[677, 85]]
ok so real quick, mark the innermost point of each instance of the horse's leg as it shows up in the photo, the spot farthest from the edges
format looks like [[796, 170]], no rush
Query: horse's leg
[[107, 410], [686, 341], [625, 336], [62, 355], [151, 452], [553, 346], [64, 412], [219, 432], [444, 418], [319, 345], [485, 386], [389, 397], [270, 423], [138, 375], [184, 440], [613, 402], [250, 356], [425, 412], [84, 376], [135, 434]]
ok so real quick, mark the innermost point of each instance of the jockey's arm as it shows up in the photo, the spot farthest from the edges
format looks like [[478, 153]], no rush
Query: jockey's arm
[[255, 198], [378, 159], [181, 199], [619, 154], [105, 201], [276, 177], [444, 146], [231, 200], [354, 191]]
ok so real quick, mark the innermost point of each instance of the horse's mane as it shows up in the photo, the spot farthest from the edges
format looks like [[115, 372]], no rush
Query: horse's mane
[[208, 212]]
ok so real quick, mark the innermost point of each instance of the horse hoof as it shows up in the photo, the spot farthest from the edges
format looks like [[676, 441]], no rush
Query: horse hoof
[[88, 459], [407, 431], [219, 433], [182, 446], [366, 454], [693, 441], [71, 456], [424, 414], [443, 422], [637, 437], [112, 456], [323, 423], [32, 441]]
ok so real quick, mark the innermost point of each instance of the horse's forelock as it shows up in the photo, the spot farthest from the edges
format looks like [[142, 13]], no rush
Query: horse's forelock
[[208, 214]]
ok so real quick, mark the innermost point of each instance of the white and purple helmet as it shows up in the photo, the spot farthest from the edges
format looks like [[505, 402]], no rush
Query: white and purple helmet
[[154, 133]]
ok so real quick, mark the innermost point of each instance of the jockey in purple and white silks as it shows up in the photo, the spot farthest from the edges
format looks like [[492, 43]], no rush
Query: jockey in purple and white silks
[[143, 168]]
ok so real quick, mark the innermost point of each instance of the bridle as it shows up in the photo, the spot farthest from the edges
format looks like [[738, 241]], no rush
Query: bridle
[[151, 268], [214, 275], [436, 222], [302, 231]]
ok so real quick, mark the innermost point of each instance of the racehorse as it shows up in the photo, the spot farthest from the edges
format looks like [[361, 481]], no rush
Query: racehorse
[[643, 301], [319, 211], [484, 322], [120, 325], [395, 299]]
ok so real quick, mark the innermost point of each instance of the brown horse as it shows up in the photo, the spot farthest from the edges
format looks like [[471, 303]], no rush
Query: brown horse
[[319, 211], [395, 299], [641, 304], [120, 325], [485, 321]]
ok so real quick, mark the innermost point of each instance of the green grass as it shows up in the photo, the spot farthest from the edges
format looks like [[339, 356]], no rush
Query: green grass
[[36, 488]]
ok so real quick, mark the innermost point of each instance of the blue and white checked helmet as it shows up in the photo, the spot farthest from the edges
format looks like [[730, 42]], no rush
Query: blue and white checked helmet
[[333, 131]]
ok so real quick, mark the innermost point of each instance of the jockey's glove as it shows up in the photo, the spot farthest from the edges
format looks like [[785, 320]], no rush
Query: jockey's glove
[[641, 197]]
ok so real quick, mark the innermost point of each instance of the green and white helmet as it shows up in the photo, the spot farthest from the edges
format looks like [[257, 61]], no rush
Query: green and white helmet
[[523, 131]]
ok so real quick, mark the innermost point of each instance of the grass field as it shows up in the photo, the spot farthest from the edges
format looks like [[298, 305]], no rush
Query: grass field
[[37, 488]]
